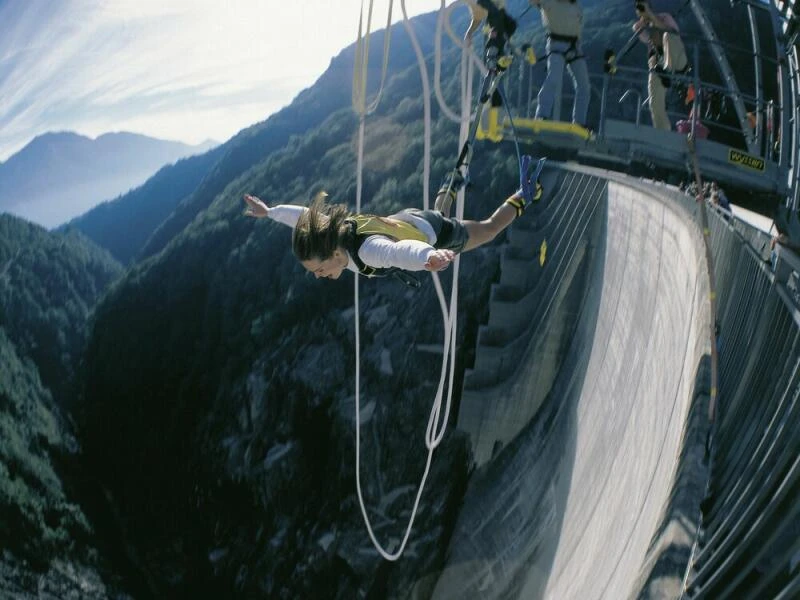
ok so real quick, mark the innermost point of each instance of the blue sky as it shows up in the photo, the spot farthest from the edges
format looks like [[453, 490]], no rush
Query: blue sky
[[186, 70]]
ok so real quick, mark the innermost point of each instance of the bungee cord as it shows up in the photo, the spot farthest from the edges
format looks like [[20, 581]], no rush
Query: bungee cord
[[361, 63], [437, 421]]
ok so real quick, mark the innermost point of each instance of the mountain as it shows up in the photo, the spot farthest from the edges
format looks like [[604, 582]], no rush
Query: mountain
[[233, 372], [49, 284], [123, 225], [60, 175]]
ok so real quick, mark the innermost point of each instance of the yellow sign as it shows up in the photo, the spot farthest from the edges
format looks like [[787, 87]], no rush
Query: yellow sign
[[745, 160]]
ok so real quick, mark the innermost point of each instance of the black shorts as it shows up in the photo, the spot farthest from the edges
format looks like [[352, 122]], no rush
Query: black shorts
[[450, 233]]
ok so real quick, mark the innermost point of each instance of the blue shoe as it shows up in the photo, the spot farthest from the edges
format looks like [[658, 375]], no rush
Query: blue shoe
[[530, 190]]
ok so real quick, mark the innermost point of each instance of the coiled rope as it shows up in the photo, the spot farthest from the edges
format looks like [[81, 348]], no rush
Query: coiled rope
[[437, 421]]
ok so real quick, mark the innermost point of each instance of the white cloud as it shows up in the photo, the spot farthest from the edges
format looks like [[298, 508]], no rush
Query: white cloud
[[185, 69]]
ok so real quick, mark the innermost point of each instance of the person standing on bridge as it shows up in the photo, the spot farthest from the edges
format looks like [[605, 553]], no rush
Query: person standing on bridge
[[563, 20], [666, 54]]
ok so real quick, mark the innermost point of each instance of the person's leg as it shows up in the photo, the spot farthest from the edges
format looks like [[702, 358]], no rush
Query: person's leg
[[674, 52], [658, 102], [481, 232], [583, 90], [552, 83]]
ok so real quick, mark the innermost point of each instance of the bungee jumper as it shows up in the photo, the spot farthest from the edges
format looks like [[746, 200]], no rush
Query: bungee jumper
[[328, 238]]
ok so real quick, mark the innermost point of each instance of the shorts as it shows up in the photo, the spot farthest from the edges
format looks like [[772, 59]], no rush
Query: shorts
[[450, 233]]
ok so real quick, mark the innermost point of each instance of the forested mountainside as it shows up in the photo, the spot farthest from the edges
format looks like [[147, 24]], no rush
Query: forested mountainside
[[49, 283], [123, 225], [233, 371]]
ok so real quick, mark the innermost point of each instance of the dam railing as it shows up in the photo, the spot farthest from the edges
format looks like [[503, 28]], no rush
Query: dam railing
[[749, 542]]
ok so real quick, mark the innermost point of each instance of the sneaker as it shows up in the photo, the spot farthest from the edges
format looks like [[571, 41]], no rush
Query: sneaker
[[519, 202], [529, 193]]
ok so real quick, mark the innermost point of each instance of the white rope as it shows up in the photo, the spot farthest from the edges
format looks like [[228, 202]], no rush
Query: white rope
[[437, 421], [361, 63], [466, 55]]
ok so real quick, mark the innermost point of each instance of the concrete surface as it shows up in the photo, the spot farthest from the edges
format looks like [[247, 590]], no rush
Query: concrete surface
[[580, 501]]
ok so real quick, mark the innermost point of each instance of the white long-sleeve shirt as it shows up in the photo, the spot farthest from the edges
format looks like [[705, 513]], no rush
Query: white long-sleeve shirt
[[377, 251]]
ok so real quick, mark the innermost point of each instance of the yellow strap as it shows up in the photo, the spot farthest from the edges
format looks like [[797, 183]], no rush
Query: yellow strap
[[393, 228], [540, 125], [505, 61], [517, 203]]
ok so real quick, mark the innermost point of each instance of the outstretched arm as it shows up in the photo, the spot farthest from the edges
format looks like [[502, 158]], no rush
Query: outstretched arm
[[255, 207], [288, 214], [439, 259], [410, 255]]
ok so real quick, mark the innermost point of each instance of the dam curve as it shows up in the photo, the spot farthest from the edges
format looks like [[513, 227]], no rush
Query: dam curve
[[580, 403]]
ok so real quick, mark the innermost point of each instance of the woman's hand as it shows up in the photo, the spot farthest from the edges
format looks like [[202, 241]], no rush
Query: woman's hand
[[439, 259], [255, 207]]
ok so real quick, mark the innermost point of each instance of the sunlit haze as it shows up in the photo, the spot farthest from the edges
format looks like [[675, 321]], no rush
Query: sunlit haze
[[185, 70]]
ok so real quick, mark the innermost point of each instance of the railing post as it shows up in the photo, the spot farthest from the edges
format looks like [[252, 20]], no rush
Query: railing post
[[530, 92], [559, 98], [602, 126], [769, 154], [759, 91], [697, 91]]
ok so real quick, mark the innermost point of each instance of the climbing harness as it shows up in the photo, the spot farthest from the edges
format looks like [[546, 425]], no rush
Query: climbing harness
[[364, 226], [571, 54]]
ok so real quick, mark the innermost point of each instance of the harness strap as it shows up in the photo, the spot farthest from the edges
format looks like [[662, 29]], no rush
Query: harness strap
[[360, 229], [573, 47], [563, 38]]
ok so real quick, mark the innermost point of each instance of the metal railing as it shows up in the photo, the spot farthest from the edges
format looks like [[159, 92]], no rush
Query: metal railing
[[749, 544]]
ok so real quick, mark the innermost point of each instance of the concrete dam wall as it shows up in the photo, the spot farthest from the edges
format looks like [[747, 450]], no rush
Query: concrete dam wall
[[587, 388]]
